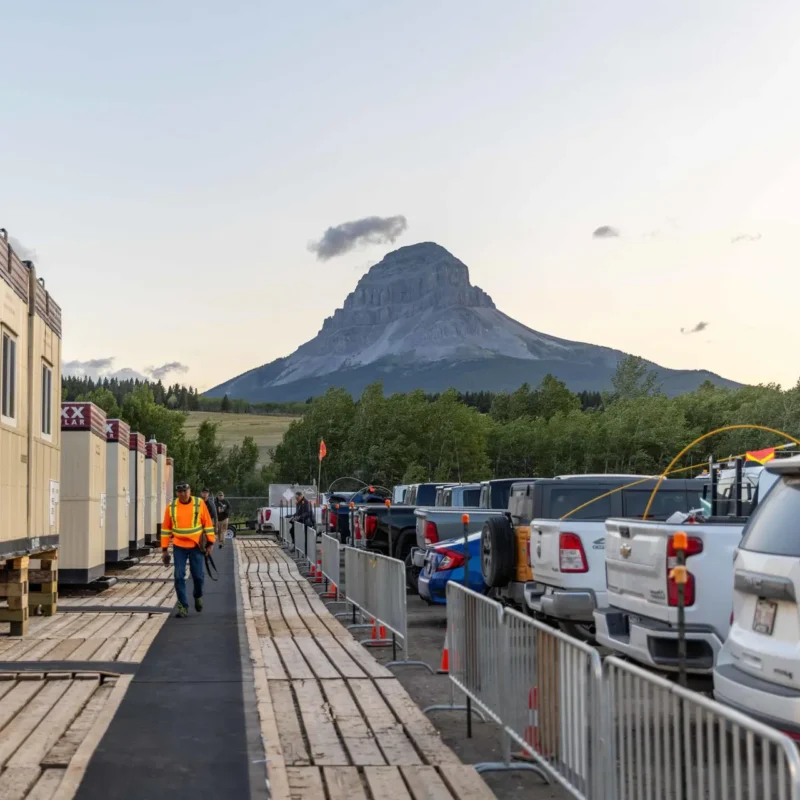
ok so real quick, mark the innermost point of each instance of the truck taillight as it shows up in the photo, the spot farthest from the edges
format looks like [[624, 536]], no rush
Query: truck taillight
[[431, 533], [371, 525], [571, 557], [267, 515], [333, 520], [357, 527], [694, 546]]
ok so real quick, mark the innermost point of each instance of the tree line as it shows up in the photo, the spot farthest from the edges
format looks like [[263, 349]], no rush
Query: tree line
[[175, 397], [542, 431]]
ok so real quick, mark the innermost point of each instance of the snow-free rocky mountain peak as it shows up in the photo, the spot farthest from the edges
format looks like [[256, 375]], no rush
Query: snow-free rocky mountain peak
[[416, 322]]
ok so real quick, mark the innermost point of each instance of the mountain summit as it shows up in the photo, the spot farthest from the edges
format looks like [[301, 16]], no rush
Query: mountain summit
[[416, 322]]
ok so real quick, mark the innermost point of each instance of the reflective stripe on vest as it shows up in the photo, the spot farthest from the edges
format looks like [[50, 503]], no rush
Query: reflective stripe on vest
[[196, 527]]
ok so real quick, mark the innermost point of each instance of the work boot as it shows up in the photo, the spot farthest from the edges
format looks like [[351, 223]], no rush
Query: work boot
[[183, 612], [198, 604]]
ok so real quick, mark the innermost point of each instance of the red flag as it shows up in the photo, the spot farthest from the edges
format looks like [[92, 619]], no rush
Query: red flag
[[761, 456], [323, 451]]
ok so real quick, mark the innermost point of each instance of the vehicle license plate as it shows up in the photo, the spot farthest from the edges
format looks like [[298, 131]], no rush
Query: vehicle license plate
[[764, 619]]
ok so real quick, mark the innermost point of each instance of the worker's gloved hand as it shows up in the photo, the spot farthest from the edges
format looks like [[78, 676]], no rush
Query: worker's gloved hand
[[165, 558]]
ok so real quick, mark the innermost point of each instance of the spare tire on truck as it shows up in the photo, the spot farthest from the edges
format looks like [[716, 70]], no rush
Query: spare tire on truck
[[498, 552]]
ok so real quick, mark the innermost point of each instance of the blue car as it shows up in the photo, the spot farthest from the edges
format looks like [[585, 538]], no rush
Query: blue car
[[445, 562]]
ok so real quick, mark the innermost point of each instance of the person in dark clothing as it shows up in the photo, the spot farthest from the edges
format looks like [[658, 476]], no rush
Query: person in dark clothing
[[303, 512], [212, 508], [223, 515]]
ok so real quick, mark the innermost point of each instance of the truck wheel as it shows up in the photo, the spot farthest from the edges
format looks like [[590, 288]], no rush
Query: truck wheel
[[402, 551], [498, 552]]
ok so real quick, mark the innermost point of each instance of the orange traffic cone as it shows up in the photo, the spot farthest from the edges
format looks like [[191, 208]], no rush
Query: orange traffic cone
[[445, 666], [313, 571], [319, 571], [532, 729]]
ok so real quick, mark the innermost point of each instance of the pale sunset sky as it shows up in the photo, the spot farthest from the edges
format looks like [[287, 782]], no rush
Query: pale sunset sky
[[169, 162]]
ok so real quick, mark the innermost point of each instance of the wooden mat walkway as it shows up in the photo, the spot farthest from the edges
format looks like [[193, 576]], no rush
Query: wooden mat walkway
[[53, 714], [337, 725]]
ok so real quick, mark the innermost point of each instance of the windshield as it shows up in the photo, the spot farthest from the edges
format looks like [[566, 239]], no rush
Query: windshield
[[500, 493], [775, 526], [665, 503], [563, 500], [472, 498]]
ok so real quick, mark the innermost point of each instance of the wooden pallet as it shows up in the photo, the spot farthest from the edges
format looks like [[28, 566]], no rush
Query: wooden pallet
[[50, 724], [336, 723], [14, 588]]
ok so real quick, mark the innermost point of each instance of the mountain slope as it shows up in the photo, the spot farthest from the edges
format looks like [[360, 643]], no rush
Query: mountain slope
[[415, 322]]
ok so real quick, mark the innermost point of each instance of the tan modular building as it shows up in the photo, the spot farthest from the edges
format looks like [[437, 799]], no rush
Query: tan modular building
[[136, 490], [118, 434], [83, 493], [152, 524], [30, 439]]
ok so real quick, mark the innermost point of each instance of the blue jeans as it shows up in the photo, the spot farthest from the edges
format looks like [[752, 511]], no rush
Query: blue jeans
[[180, 556]]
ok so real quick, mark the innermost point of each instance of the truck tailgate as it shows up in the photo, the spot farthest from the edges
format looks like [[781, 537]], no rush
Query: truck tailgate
[[545, 551], [636, 567], [637, 570]]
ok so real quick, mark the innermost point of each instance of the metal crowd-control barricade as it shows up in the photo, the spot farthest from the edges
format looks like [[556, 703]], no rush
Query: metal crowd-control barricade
[[331, 565], [666, 741], [376, 585], [542, 687], [285, 533]]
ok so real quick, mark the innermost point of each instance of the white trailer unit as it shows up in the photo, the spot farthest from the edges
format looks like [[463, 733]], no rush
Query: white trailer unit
[[152, 524], [118, 434], [136, 488], [83, 493]]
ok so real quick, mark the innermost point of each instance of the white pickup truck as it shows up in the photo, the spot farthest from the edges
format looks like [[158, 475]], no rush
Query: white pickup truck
[[641, 621], [567, 556]]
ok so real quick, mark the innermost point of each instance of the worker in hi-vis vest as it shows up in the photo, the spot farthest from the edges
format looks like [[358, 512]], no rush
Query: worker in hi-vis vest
[[189, 527]]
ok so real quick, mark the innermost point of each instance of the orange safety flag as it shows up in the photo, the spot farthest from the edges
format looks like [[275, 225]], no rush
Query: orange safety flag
[[761, 456], [323, 451]]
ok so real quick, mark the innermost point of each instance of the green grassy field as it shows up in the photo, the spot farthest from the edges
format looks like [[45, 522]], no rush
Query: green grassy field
[[232, 428]]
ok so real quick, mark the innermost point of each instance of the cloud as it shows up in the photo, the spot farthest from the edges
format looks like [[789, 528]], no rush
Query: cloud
[[701, 326], [605, 232], [96, 368], [745, 237], [23, 253], [342, 238], [159, 373]]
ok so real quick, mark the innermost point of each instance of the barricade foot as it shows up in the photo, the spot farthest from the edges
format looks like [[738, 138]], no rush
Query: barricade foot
[[477, 712], [411, 664], [375, 642], [501, 766]]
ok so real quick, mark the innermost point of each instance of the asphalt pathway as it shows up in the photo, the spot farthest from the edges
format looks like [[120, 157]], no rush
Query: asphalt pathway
[[187, 726]]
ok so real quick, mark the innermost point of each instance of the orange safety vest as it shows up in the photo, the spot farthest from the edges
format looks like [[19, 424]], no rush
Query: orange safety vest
[[185, 523]]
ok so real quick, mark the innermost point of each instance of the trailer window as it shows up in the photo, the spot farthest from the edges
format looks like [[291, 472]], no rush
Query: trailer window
[[47, 400], [8, 379]]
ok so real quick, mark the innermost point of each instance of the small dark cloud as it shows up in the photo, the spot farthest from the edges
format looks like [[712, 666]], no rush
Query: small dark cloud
[[159, 373], [342, 238], [92, 363], [701, 326], [745, 237], [605, 232], [23, 253]]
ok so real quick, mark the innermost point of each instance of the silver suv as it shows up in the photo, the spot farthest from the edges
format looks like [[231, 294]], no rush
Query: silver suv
[[758, 668]]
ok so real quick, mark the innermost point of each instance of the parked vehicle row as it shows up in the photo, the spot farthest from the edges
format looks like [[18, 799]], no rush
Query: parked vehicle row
[[575, 551]]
